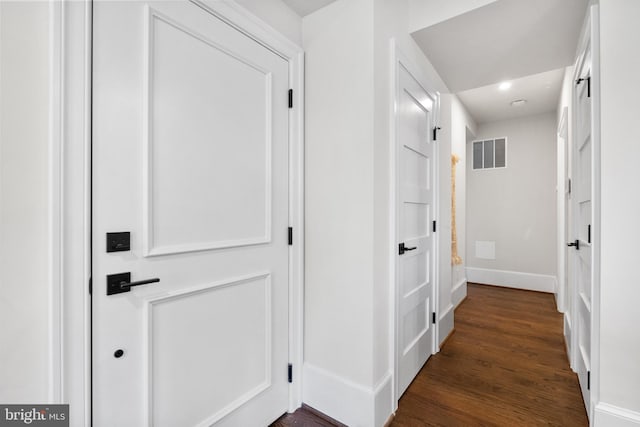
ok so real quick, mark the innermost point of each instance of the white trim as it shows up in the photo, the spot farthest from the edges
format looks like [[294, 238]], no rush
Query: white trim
[[561, 201], [512, 279], [346, 401], [247, 23], [296, 220], [383, 400], [606, 415], [54, 202], [563, 129], [75, 195], [399, 59], [445, 324], [596, 237], [393, 299], [459, 292]]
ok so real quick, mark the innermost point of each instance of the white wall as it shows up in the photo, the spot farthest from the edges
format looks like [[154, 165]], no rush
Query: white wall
[[463, 127], [619, 338], [348, 304], [25, 371], [278, 15], [338, 41], [425, 13], [515, 207]]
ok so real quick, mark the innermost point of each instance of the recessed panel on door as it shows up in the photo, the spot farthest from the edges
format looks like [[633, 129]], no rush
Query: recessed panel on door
[[201, 374], [209, 144]]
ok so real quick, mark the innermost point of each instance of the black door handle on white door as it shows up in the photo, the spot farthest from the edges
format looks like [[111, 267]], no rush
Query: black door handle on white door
[[576, 244], [402, 248], [121, 282]]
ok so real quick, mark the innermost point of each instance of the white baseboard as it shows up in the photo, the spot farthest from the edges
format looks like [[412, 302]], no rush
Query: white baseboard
[[612, 416], [383, 395], [445, 324], [345, 401], [512, 279], [459, 292]]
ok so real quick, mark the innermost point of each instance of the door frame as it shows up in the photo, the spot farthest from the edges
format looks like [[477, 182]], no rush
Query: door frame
[[562, 206], [589, 38], [398, 59], [71, 193]]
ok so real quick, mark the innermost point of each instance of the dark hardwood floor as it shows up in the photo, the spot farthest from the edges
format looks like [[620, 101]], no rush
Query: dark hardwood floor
[[306, 417], [505, 365]]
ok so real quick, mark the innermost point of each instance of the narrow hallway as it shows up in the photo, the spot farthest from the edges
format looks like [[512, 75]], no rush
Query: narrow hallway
[[505, 365]]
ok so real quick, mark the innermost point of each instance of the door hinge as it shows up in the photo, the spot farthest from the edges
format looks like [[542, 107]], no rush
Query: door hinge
[[589, 233], [290, 373], [90, 286], [434, 226], [435, 132], [290, 236], [588, 380], [290, 98], [433, 317], [588, 79], [569, 189]]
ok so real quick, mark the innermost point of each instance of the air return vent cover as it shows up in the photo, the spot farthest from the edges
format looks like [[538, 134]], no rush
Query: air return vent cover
[[490, 153]]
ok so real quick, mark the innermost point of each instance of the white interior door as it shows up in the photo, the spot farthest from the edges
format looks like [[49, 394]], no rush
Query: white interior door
[[190, 155], [582, 206], [415, 215]]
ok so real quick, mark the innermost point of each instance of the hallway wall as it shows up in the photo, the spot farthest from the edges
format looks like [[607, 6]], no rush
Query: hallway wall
[[619, 370], [463, 128], [514, 208], [25, 242], [349, 350]]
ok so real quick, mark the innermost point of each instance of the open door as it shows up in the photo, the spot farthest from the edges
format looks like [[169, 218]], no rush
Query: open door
[[190, 217], [415, 207]]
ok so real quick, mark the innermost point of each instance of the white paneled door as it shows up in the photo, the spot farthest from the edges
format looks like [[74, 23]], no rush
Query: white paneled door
[[415, 215], [190, 156], [582, 207]]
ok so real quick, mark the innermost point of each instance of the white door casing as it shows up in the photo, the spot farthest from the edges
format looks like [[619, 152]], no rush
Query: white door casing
[[415, 213], [190, 154], [566, 273]]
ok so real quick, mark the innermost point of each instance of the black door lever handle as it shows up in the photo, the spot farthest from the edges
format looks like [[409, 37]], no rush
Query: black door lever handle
[[121, 282], [402, 249], [124, 284], [576, 244]]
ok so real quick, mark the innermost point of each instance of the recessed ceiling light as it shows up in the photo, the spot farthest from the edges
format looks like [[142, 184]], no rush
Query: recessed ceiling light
[[518, 102], [504, 85]]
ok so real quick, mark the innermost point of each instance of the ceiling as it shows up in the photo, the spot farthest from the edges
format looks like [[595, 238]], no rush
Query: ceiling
[[503, 40], [305, 7], [489, 103]]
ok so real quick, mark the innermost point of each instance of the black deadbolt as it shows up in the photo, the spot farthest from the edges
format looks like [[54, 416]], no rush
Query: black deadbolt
[[118, 353], [119, 242]]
